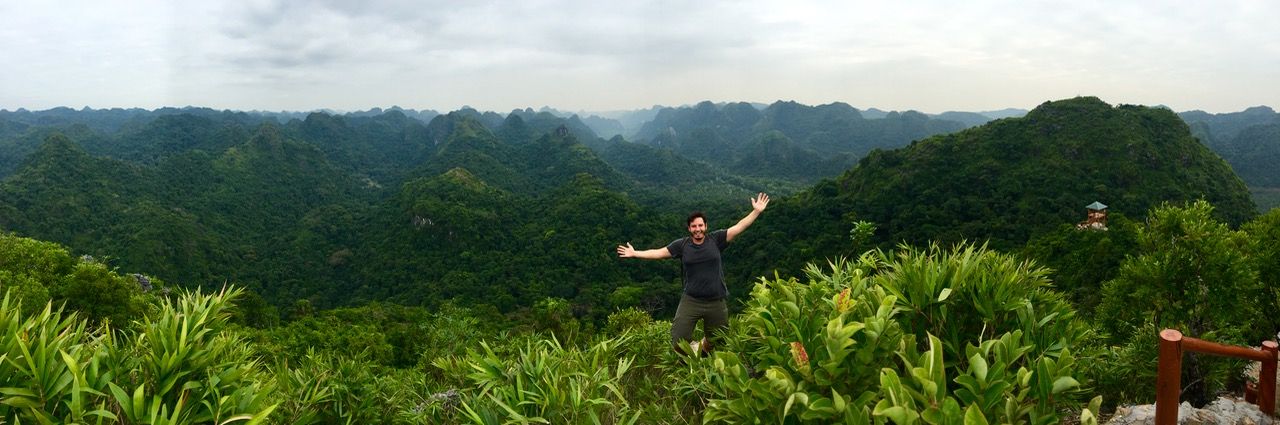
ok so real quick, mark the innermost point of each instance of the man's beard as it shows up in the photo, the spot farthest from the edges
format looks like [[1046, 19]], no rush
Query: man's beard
[[698, 235]]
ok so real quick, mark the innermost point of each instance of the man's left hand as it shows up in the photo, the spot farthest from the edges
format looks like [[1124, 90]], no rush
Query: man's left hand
[[760, 202]]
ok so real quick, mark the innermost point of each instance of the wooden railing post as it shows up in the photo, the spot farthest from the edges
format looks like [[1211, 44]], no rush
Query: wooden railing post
[[1169, 377], [1169, 371], [1267, 379]]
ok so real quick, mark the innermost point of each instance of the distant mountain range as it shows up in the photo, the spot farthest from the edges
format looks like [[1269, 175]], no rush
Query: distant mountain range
[[508, 209], [1249, 140], [627, 123]]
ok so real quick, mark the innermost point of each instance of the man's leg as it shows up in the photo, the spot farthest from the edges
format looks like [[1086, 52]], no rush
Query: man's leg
[[682, 325], [715, 321]]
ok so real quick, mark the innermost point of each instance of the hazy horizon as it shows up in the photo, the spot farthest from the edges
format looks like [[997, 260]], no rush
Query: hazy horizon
[[534, 108], [932, 56]]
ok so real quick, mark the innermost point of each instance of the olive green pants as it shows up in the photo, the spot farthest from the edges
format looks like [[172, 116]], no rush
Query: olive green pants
[[714, 316]]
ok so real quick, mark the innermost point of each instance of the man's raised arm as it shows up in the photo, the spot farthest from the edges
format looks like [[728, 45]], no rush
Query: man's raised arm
[[626, 251], [757, 206]]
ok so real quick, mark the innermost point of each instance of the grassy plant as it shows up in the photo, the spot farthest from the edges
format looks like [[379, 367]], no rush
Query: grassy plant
[[549, 383], [305, 389], [50, 369], [182, 366], [177, 367]]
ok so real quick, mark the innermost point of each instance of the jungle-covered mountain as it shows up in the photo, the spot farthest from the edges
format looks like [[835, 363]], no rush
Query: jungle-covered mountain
[[786, 139], [131, 134], [115, 119], [505, 211], [1008, 181], [1249, 140], [346, 209], [194, 217]]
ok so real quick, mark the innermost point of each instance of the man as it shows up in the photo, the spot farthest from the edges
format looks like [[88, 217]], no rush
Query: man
[[705, 292]]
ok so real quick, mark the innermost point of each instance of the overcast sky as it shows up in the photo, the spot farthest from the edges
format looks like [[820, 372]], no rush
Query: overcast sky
[[932, 56]]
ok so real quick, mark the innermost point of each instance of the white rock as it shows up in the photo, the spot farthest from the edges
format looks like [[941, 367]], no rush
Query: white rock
[[1224, 411]]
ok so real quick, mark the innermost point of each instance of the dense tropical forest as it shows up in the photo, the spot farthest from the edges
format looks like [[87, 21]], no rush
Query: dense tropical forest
[[399, 266]]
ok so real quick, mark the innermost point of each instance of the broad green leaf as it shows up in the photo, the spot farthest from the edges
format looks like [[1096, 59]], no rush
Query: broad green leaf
[[14, 391], [973, 416], [898, 414], [951, 411], [932, 415], [21, 402], [1064, 383], [1087, 418], [978, 366]]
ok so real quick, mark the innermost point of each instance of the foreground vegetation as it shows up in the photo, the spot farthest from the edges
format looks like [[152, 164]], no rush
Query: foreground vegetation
[[866, 349], [960, 334]]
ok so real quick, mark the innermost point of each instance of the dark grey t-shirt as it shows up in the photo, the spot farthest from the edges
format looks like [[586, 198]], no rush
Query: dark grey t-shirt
[[703, 272]]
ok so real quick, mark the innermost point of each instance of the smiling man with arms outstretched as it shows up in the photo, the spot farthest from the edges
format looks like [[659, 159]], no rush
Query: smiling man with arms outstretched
[[705, 292]]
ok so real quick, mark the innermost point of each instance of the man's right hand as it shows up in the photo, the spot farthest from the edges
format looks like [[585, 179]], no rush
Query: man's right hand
[[627, 251]]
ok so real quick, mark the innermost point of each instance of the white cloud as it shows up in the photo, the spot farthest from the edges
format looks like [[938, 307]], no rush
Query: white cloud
[[927, 55]]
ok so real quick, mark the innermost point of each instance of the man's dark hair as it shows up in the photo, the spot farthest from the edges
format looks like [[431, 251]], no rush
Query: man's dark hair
[[695, 214]]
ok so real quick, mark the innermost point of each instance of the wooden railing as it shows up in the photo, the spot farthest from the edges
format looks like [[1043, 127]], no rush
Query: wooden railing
[[1169, 375]]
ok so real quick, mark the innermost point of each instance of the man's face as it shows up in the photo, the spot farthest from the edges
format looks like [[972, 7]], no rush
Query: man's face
[[698, 228]]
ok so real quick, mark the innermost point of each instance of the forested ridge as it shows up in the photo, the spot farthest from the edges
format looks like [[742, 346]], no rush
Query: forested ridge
[[461, 268], [1005, 183], [342, 210], [1250, 141], [786, 139]]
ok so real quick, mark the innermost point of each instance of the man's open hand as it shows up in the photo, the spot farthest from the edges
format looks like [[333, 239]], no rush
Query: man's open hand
[[760, 202], [626, 251]]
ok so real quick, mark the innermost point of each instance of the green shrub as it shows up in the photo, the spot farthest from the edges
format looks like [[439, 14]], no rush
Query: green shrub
[[845, 346], [970, 293], [1001, 383], [555, 316], [807, 350], [1184, 255], [100, 294], [627, 319], [1082, 260], [38, 272], [1264, 250]]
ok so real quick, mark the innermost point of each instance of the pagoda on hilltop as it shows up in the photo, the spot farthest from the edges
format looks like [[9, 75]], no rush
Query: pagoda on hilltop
[[1095, 218]]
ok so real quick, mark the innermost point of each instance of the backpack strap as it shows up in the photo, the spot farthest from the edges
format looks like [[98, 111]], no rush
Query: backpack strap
[[683, 279]]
